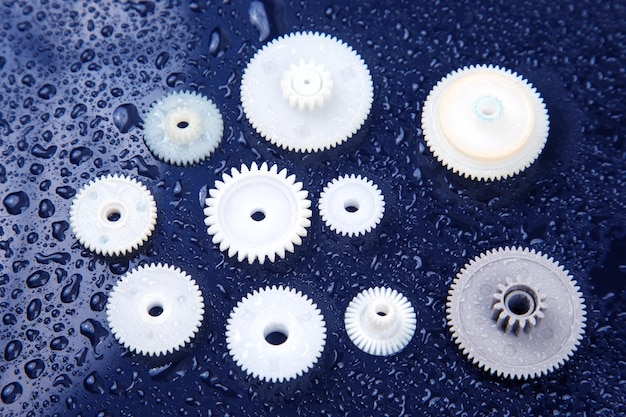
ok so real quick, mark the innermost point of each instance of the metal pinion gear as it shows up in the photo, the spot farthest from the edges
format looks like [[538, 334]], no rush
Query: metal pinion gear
[[516, 313], [183, 128], [113, 215], [351, 205], [307, 92], [257, 213], [485, 122], [380, 321], [276, 334], [155, 310]]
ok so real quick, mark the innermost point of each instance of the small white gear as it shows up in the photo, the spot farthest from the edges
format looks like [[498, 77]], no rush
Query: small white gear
[[307, 107], [529, 284], [113, 215], [183, 128], [155, 310], [380, 321], [276, 334], [351, 205], [257, 213], [485, 122]]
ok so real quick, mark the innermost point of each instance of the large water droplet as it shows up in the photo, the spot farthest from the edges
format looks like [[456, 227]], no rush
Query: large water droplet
[[161, 60], [87, 55], [126, 116], [34, 368], [11, 392], [46, 208], [59, 343], [34, 309], [12, 350], [63, 380], [80, 155], [70, 291], [175, 79], [16, 203], [44, 153], [94, 383], [47, 91], [78, 110], [38, 279], [98, 301], [94, 331]]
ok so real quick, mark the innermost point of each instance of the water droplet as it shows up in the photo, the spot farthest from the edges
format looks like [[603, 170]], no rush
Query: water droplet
[[47, 91], [59, 343], [94, 331], [66, 192], [9, 319], [70, 292], [87, 55], [63, 380], [44, 153], [31, 334], [175, 79], [28, 80], [12, 350], [61, 258], [219, 41], [59, 229], [80, 154], [78, 110], [33, 310], [11, 392], [126, 116], [98, 301], [94, 383], [258, 18], [143, 169], [106, 31], [34, 368], [46, 208], [161, 60], [16, 203], [38, 279]]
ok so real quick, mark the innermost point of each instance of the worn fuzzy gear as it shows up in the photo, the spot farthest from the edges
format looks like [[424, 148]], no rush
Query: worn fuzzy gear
[[521, 355], [183, 128], [113, 215], [351, 205], [257, 213], [380, 321], [346, 104], [156, 286], [276, 309], [485, 122]]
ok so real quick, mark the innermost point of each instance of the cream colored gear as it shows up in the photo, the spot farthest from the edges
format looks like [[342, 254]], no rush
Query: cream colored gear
[[327, 101], [517, 306], [155, 310], [351, 205], [257, 213], [540, 348], [485, 122], [380, 321], [276, 334], [113, 215], [183, 128]]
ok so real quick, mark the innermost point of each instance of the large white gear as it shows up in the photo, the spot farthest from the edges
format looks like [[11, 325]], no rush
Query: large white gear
[[155, 310], [257, 213], [380, 321], [276, 334], [485, 122], [113, 215], [183, 128], [541, 300], [307, 91], [351, 205]]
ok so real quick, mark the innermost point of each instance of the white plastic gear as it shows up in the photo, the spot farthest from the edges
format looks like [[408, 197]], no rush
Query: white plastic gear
[[380, 321], [257, 213], [345, 109], [183, 128], [517, 306], [485, 122], [155, 310], [351, 205], [113, 215], [269, 312], [547, 346], [306, 85]]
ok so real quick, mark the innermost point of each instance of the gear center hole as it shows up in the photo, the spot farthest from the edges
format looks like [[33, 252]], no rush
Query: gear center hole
[[257, 215], [488, 108], [155, 310], [382, 310], [520, 302], [182, 124], [113, 213], [351, 206], [276, 334]]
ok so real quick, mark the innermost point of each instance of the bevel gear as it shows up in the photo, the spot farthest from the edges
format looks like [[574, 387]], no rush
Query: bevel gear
[[183, 128], [257, 213], [327, 83], [529, 285], [380, 321], [276, 334], [155, 310], [485, 122], [351, 205], [113, 215]]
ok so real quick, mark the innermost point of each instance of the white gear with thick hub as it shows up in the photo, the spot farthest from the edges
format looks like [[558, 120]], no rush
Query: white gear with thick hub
[[155, 310], [351, 205], [347, 98], [257, 213], [517, 306], [380, 321], [268, 311], [528, 354], [183, 128], [113, 215], [485, 122]]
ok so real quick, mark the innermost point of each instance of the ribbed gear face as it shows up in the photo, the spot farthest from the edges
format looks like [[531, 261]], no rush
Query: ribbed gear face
[[380, 321], [540, 348], [183, 128], [257, 213], [155, 310], [307, 92], [113, 215], [485, 122], [351, 205], [276, 334]]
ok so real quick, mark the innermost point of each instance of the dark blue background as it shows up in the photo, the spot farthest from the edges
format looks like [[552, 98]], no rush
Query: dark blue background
[[76, 78]]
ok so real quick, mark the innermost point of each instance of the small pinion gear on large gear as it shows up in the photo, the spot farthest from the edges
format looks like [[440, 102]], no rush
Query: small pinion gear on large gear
[[485, 122], [183, 128], [113, 215], [257, 213], [276, 334], [155, 310], [307, 92], [516, 313]]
